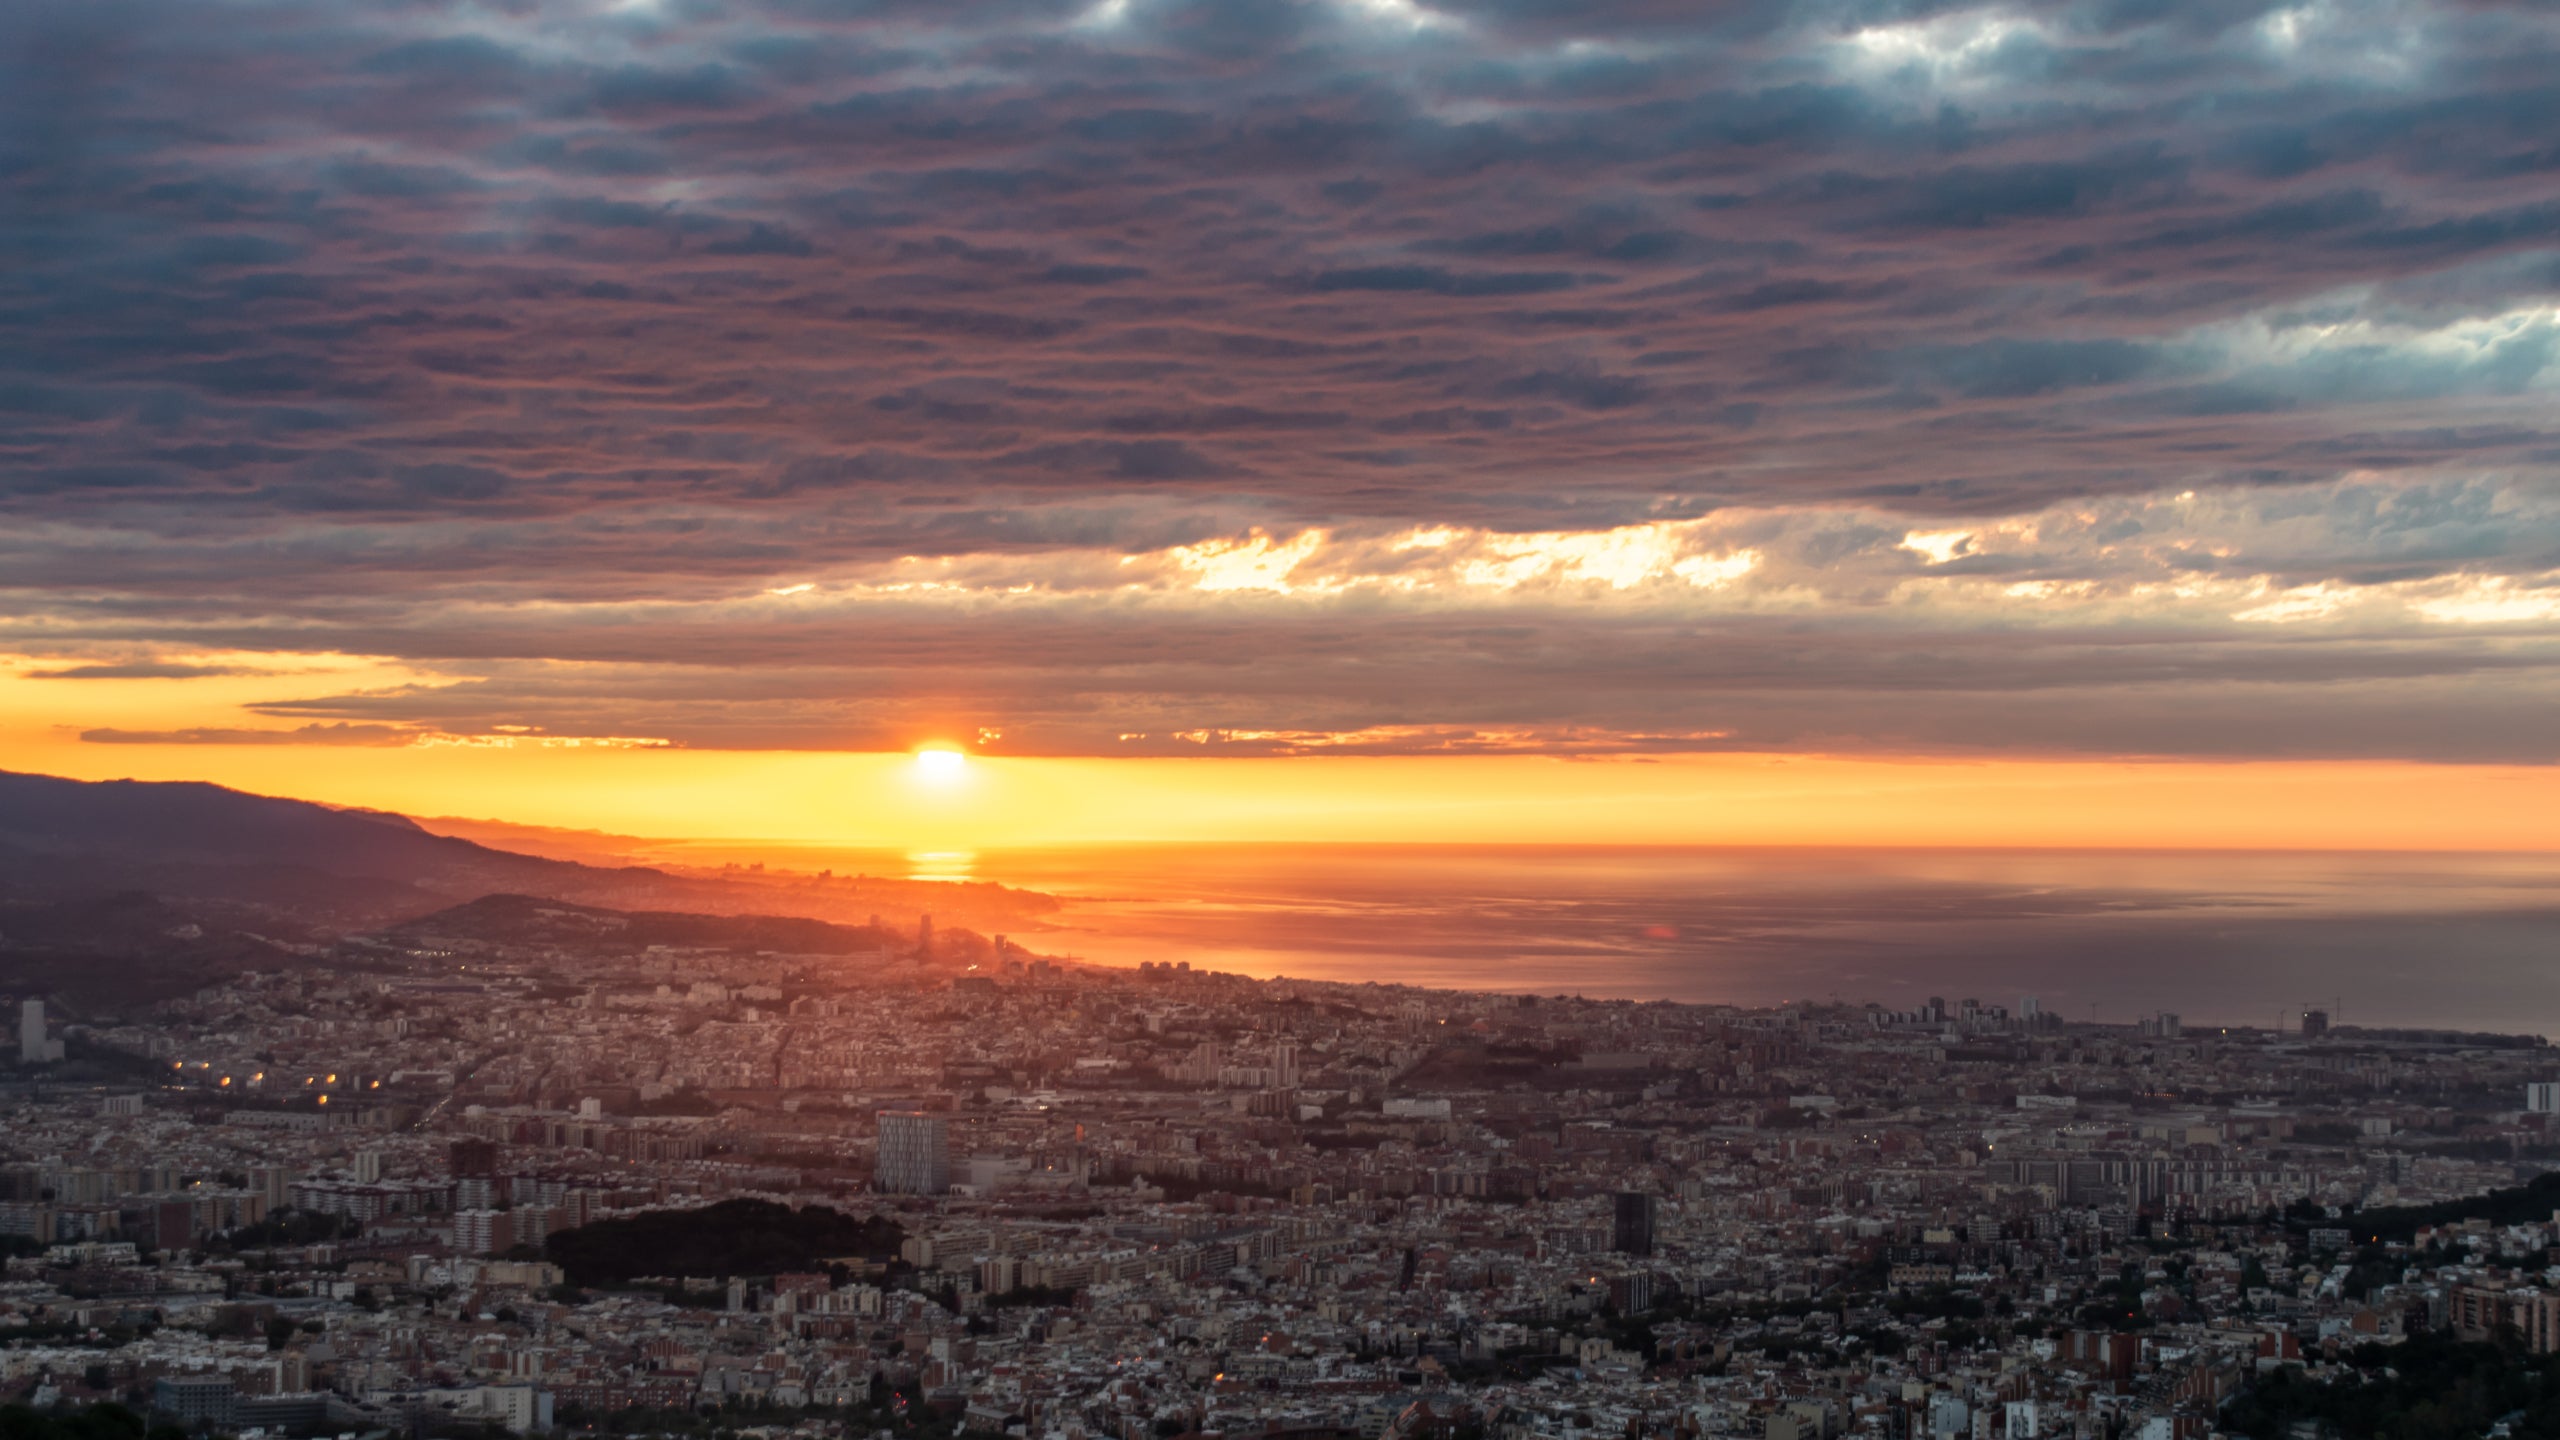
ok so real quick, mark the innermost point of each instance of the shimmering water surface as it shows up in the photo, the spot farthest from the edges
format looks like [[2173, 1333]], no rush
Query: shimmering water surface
[[2469, 940]]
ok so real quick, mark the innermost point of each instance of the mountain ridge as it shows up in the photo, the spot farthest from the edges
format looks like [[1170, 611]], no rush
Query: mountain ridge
[[237, 858]]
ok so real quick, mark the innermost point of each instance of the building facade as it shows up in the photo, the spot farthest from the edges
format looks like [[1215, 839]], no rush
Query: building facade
[[915, 1154]]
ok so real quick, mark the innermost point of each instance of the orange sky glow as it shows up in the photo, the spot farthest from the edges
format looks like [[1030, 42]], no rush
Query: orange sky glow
[[875, 799], [798, 797]]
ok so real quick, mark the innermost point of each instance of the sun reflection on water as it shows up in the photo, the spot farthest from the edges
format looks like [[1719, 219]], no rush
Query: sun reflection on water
[[942, 865]]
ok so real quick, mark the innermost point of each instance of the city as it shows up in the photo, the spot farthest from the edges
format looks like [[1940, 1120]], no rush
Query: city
[[450, 1181], [1279, 719]]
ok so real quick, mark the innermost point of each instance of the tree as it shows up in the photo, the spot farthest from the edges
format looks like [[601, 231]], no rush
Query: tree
[[734, 1237]]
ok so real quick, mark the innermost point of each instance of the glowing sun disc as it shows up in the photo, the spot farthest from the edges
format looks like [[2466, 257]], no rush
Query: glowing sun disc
[[940, 766]]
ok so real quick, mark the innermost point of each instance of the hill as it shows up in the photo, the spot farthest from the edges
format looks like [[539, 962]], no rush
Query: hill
[[70, 839], [2536, 1200], [734, 1237], [188, 820], [105, 955], [258, 857], [539, 920]]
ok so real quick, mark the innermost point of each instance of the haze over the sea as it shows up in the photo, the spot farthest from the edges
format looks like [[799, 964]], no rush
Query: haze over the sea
[[2467, 941]]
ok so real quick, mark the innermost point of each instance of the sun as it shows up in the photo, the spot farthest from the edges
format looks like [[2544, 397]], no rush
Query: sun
[[940, 765]]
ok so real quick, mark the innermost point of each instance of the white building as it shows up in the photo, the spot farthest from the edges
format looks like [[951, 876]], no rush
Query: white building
[[483, 1232], [33, 1047], [520, 1408]]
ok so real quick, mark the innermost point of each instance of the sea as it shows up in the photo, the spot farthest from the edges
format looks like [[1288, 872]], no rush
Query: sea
[[2466, 941]]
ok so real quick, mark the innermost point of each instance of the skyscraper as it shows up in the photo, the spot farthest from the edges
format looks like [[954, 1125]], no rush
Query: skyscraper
[[915, 1154], [33, 1047], [1631, 1228]]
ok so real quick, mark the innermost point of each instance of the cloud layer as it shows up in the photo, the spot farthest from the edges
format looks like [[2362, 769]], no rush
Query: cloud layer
[[1139, 377]]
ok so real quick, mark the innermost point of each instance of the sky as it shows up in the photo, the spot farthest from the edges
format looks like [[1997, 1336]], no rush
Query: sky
[[2068, 421]]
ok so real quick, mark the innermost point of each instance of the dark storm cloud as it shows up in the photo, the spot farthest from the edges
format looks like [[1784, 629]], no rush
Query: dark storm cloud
[[412, 328]]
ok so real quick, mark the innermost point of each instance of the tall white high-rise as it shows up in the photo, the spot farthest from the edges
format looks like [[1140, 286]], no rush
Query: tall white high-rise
[[33, 1047], [915, 1154]]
